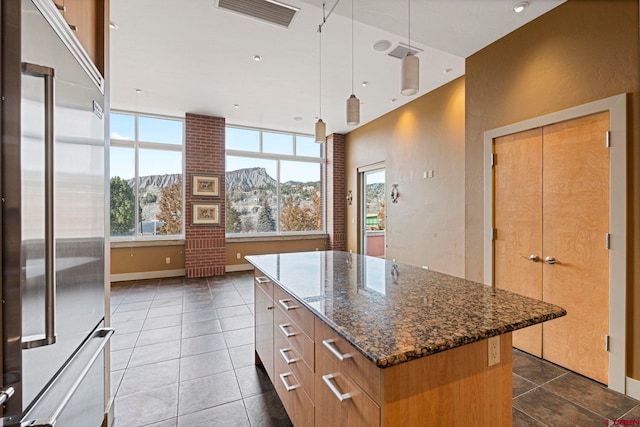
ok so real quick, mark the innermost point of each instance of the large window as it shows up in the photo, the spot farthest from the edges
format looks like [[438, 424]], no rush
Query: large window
[[273, 181], [146, 176]]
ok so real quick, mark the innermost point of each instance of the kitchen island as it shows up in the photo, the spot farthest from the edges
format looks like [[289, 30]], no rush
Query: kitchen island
[[355, 340]]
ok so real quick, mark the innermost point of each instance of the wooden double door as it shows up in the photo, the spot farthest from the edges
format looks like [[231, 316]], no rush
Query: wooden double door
[[551, 215]]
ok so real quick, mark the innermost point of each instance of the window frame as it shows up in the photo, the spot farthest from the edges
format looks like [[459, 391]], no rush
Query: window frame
[[321, 160], [137, 145]]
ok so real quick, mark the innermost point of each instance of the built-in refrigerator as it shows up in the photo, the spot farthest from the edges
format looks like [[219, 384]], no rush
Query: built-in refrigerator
[[53, 222]]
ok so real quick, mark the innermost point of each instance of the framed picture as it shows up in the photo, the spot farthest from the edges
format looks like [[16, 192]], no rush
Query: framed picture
[[205, 185], [205, 213]]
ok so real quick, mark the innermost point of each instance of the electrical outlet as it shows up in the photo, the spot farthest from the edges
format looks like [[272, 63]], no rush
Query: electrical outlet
[[238, 255], [167, 260], [494, 350]]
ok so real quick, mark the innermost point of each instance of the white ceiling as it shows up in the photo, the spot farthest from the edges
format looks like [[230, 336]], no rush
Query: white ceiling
[[190, 56]]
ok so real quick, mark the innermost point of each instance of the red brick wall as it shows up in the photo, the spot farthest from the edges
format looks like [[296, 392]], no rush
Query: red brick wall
[[204, 253], [336, 193]]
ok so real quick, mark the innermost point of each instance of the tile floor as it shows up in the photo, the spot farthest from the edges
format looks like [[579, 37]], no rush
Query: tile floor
[[183, 355]]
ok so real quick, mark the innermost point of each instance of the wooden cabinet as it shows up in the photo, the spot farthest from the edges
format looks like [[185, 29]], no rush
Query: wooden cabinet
[[339, 399], [295, 357], [323, 380], [263, 300], [86, 20]]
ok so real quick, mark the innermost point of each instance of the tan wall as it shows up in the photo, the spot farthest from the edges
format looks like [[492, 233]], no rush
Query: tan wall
[[256, 247], [579, 52], [146, 258], [426, 226]]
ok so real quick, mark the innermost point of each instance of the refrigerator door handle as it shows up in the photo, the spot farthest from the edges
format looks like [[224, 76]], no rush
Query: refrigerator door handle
[[47, 74], [104, 334]]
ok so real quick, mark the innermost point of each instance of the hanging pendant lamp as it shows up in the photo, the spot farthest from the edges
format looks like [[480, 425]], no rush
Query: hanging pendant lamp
[[321, 126], [410, 69], [353, 103]]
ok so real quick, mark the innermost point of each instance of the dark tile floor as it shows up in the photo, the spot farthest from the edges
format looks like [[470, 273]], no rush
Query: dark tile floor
[[183, 355]]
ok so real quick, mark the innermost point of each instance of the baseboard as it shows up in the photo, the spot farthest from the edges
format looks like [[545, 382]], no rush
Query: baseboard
[[159, 274], [633, 388], [238, 267]]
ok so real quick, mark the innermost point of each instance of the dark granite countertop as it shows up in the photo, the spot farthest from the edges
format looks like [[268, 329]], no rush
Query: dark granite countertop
[[393, 312]]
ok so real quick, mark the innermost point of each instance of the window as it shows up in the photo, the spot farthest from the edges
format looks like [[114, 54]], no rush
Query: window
[[146, 176], [273, 181]]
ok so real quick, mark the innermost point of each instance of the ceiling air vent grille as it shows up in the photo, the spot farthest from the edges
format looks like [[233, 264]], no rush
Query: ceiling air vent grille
[[402, 49], [265, 10]]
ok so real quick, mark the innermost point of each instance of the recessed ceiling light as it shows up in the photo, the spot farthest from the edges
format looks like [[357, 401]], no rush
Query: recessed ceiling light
[[297, 118], [236, 106], [257, 58], [364, 83], [520, 6], [113, 25], [138, 90], [447, 70], [381, 45]]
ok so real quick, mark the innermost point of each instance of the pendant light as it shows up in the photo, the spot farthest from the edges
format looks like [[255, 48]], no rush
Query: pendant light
[[410, 69], [321, 127], [353, 103]]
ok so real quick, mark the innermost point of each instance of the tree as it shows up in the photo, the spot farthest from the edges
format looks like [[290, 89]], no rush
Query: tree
[[170, 206], [295, 217], [266, 222], [232, 224], [122, 203]]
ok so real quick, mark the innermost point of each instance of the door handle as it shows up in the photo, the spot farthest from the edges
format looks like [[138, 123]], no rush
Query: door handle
[[5, 394], [532, 258], [47, 74], [550, 260]]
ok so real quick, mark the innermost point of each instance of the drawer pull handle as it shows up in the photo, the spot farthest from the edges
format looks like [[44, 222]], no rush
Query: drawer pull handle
[[283, 378], [73, 27], [284, 330], [283, 303], [262, 280], [332, 348], [328, 381], [283, 353]]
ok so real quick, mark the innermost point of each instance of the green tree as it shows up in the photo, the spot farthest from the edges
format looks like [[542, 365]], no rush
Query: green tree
[[265, 218], [170, 205], [122, 205], [232, 224]]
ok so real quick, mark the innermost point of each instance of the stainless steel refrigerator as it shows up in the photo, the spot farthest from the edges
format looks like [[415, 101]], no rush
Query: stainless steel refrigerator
[[53, 222]]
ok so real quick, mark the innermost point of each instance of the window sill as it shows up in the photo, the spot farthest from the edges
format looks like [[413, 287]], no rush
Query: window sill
[[146, 243], [276, 238]]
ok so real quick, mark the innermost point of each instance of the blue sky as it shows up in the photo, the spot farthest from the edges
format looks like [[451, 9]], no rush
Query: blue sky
[[158, 162]]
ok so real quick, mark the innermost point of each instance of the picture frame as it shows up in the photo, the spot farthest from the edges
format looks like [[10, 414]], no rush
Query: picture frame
[[205, 213], [205, 185]]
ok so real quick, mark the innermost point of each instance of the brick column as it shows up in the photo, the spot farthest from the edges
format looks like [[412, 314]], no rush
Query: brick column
[[336, 193], [204, 249]]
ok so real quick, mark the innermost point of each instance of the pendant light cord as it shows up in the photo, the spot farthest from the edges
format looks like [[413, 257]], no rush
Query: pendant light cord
[[352, 72], [409, 24], [320, 68]]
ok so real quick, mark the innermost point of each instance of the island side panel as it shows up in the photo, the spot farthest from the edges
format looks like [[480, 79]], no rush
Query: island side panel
[[454, 387], [263, 318]]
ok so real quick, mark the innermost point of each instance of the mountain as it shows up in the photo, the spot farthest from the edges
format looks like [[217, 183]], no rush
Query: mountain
[[145, 183], [248, 179]]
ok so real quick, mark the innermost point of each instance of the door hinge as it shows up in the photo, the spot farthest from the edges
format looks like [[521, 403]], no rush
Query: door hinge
[[608, 241], [494, 233], [609, 139], [493, 159], [607, 343]]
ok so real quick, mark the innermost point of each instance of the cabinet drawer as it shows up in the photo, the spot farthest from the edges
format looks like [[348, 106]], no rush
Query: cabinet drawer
[[293, 363], [298, 313], [339, 400], [294, 337], [294, 399], [263, 283], [353, 363]]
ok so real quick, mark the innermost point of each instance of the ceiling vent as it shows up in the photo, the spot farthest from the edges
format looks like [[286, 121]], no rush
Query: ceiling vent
[[402, 49], [265, 10]]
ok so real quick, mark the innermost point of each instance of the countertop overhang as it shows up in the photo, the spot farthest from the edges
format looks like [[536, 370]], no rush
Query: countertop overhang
[[393, 312]]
